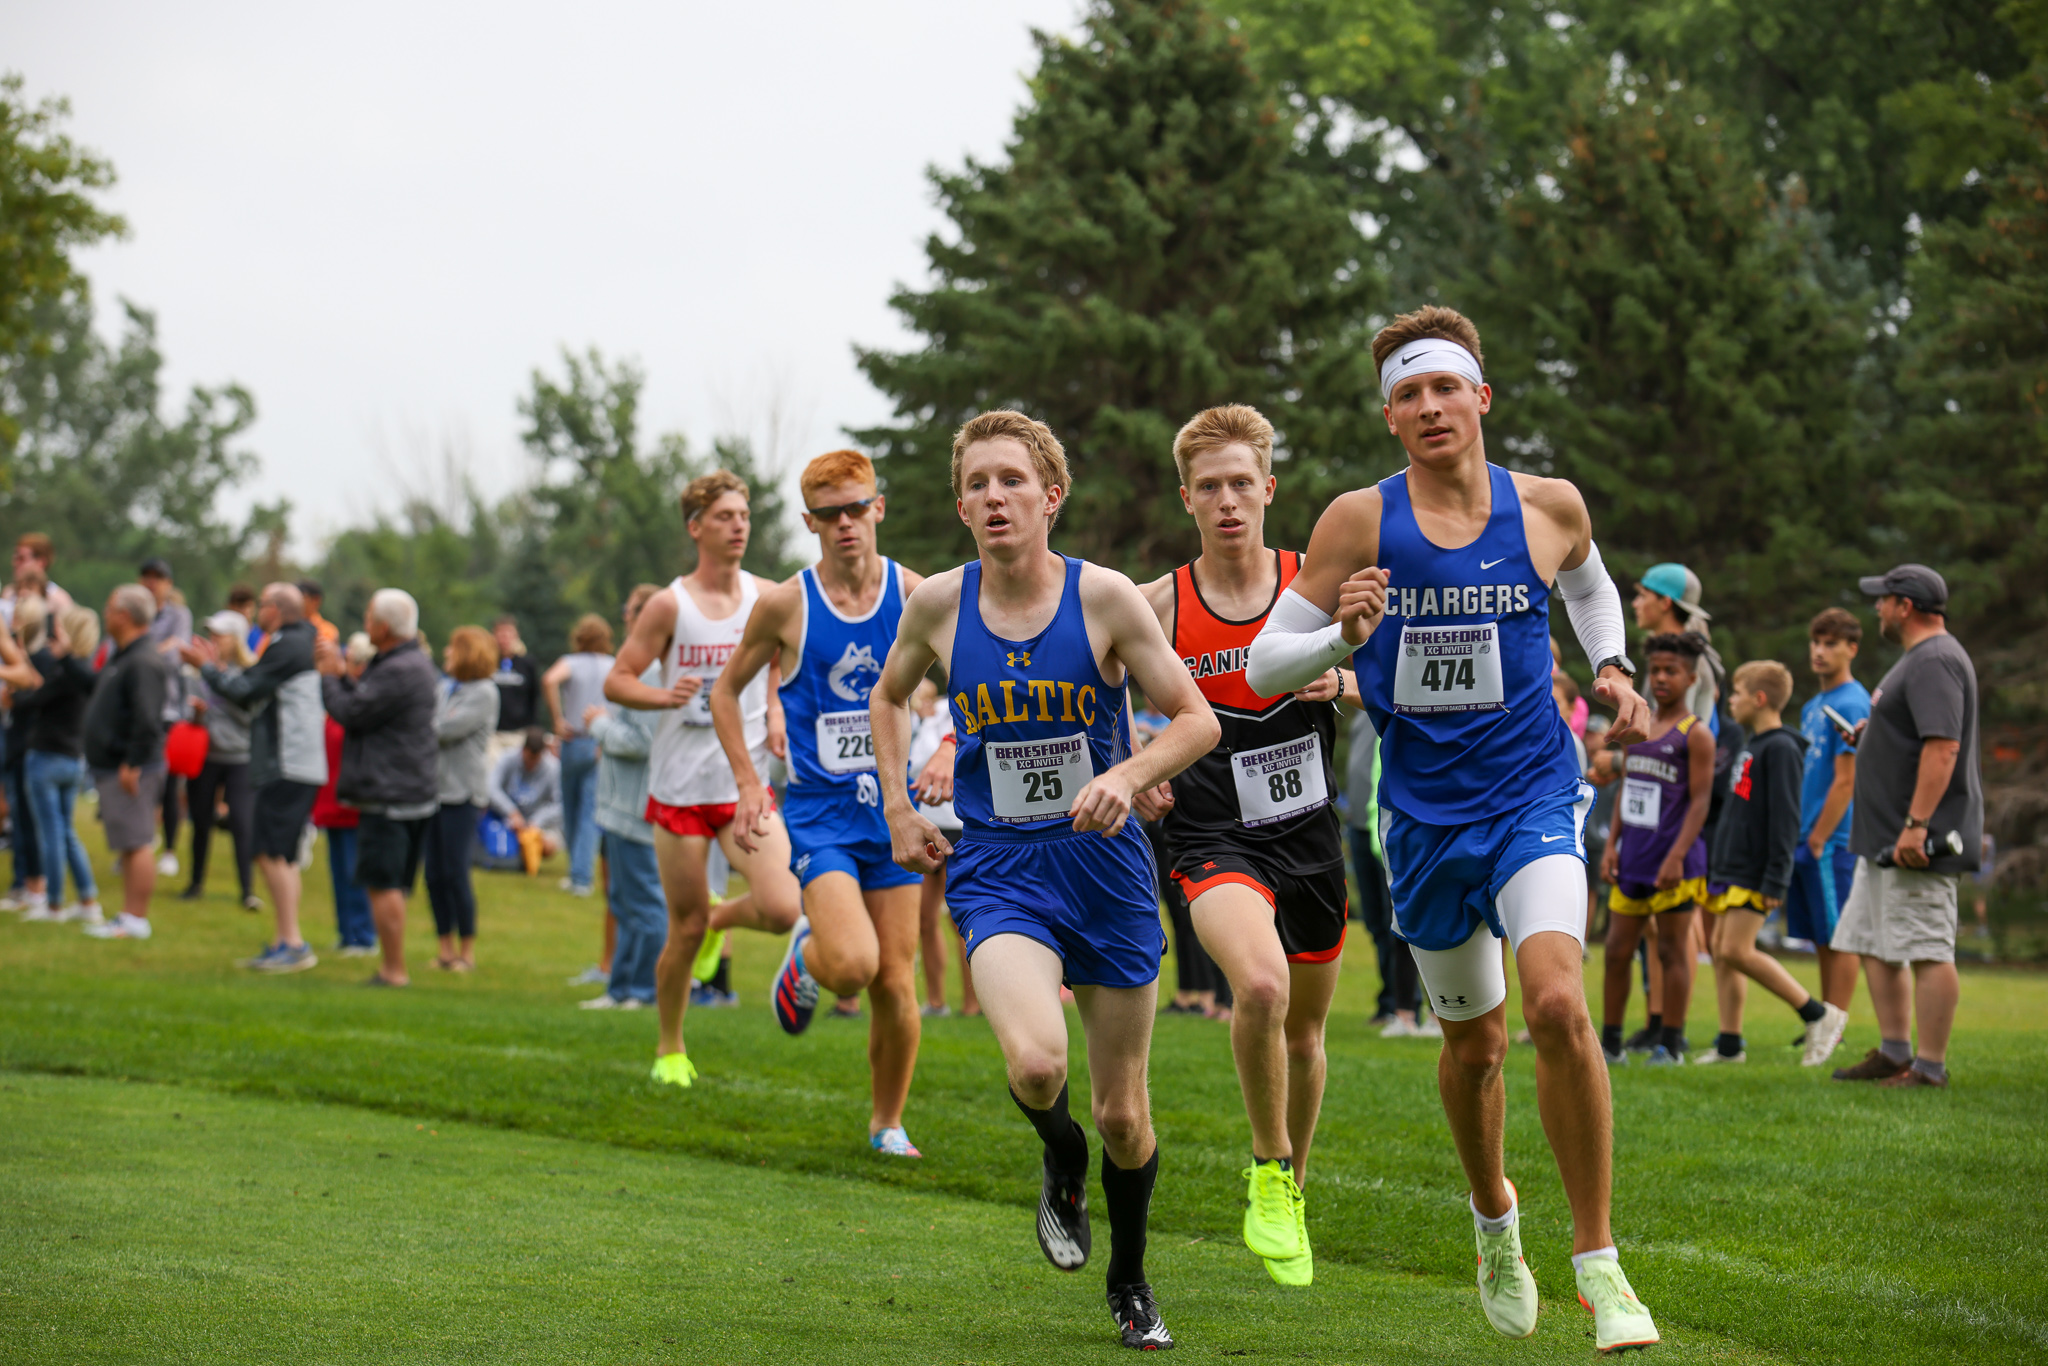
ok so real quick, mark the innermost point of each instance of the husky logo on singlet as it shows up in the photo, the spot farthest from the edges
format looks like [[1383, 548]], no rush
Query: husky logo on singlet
[[1457, 675], [858, 660]]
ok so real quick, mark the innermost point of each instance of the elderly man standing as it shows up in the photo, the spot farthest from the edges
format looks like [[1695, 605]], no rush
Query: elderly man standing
[[124, 748], [390, 755], [1919, 815], [287, 755]]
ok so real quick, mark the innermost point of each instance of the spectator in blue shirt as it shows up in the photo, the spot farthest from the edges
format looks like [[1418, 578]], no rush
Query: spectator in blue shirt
[[1822, 865]]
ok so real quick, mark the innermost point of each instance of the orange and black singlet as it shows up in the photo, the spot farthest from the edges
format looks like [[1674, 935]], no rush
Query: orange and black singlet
[[1269, 786]]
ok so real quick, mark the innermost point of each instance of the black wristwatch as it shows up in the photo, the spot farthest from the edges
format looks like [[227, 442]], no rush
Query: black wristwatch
[[1620, 662]]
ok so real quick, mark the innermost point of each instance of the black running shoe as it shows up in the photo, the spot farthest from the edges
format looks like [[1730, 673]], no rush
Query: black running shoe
[[1644, 1039], [1137, 1318], [1063, 1220]]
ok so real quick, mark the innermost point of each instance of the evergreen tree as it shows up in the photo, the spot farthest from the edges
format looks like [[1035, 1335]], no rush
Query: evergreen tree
[[1681, 344], [1155, 243], [1969, 484]]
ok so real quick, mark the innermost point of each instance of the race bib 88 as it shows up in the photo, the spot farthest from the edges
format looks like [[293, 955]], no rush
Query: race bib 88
[[1280, 780]]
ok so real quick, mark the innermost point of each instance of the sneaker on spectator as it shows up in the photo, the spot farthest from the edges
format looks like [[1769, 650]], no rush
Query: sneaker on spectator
[[252, 903], [289, 958], [268, 952], [122, 926], [38, 911], [357, 950], [592, 976], [604, 1002], [1824, 1035], [1643, 1040], [167, 864], [1660, 1056], [14, 901], [711, 998], [82, 913], [937, 1012], [1429, 1029], [1399, 1029]]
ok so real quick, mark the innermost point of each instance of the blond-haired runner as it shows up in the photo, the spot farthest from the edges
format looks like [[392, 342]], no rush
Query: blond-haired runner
[[1256, 844], [1051, 880], [830, 626], [692, 629], [1445, 572]]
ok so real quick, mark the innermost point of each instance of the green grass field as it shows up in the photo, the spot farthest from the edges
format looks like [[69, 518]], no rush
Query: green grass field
[[205, 1165]]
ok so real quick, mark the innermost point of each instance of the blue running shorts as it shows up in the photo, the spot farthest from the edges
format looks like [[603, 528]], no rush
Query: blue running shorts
[[1813, 903], [1093, 901], [1445, 878], [837, 836]]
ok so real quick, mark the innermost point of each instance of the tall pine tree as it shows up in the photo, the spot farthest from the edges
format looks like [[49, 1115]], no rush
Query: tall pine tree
[[1155, 243]]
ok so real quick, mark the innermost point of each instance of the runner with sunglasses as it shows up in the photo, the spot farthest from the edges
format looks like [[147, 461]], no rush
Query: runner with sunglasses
[[831, 627]]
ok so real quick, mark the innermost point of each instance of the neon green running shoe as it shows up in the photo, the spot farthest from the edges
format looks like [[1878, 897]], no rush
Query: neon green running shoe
[[675, 1069], [1270, 1227], [1295, 1270], [708, 954], [1507, 1289], [1620, 1321]]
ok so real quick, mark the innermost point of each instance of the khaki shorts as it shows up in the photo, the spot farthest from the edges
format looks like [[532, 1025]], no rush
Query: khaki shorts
[[1898, 915], [130, 821]]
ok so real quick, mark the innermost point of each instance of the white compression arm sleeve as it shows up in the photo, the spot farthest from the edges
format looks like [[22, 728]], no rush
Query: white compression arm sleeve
[[1295, 647], [1594, 605]]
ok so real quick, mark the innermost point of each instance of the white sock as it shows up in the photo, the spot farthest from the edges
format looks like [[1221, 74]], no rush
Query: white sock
[[1489, 1224], [1580, 1259]]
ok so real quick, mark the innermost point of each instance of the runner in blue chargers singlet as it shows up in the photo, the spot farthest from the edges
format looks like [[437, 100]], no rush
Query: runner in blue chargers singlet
[[830, 627], [1445, 574], [1050, 880]]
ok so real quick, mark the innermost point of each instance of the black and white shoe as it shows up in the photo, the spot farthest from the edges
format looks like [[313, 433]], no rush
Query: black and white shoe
[[1137, 1318], [1063, 1220]]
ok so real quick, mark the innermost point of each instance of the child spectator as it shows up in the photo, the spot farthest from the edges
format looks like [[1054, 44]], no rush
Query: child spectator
[[1753, 848]]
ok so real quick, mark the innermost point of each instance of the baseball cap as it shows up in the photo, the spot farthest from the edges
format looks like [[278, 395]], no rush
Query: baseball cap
[[1924, 588], [156, 565], [1677, 583], [225, 623]]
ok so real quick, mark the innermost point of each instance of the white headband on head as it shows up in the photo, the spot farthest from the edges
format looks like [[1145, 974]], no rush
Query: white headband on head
[[1428, 356]]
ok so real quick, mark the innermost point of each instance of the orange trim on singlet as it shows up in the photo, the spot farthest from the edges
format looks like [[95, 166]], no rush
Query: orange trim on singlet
[[1213, 648]]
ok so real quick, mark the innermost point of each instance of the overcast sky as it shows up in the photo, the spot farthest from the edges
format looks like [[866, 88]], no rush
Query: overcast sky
[[380, 218]]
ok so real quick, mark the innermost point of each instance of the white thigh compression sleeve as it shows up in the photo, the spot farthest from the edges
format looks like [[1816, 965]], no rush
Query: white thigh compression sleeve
[[1466, 982], [1594, 605], [1296, 646], [1548, 894]]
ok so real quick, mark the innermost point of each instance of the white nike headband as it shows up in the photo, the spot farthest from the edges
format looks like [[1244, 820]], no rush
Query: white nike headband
[[1428, 356]]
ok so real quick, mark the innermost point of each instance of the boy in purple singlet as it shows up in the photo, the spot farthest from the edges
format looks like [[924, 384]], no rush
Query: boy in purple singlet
[[1655, 858]]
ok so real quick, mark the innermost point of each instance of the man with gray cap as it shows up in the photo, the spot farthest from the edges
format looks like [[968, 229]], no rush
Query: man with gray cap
[[1919, 814]]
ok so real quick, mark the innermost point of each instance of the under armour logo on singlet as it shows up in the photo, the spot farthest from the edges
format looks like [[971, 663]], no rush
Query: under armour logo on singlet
[[1020, 659]]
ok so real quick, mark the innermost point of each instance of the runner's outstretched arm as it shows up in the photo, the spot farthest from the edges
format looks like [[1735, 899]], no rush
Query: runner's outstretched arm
[[912, 838], [1135, 638], [1332, 606]]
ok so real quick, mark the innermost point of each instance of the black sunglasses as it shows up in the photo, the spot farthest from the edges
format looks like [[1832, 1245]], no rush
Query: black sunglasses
[[858, 508]]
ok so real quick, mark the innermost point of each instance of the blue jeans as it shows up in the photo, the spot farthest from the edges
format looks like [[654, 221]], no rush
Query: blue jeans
[[579, 807], [351, 902], [53, 781], [642, 912]]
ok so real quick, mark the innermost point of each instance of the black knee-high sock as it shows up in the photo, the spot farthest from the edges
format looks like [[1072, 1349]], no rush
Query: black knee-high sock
[[1066, 1145], [1129, 1197]]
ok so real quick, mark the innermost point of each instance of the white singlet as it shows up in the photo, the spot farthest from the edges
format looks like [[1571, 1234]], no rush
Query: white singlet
[[686, 766]]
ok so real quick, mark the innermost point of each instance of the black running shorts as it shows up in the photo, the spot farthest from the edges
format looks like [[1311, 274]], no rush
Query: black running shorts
[[282, 809], [1309, 909]]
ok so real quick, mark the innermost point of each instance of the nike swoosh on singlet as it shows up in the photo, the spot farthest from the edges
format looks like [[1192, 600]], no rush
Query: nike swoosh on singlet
[[1488, 564], [1552, 839]]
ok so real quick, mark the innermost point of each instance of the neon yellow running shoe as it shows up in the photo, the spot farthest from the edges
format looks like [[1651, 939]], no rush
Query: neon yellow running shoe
[[1270, 1227], [675, 1069], [1295, 1270], [1620, 1321], [708, 954], [1507, 1289]]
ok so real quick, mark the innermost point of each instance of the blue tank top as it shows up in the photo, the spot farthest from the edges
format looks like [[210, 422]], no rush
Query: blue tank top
[[1457, 676], [825, 700], [1034, 720]]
